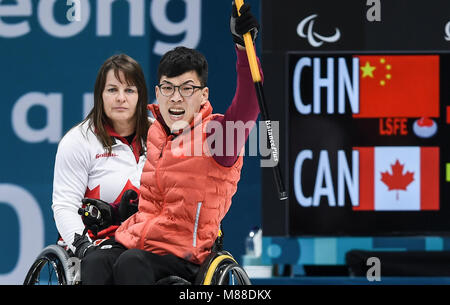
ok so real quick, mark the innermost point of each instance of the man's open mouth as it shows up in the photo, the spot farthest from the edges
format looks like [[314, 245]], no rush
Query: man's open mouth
[[176, 111]]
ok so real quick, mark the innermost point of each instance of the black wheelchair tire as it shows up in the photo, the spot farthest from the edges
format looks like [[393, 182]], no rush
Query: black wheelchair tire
[[59, 260], [220, 276], [237, 271]]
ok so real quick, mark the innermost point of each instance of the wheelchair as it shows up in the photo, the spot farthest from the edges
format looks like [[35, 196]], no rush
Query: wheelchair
[[56, 266]]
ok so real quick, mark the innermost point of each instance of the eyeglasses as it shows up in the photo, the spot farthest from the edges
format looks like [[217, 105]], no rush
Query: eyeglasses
[[185, 90]]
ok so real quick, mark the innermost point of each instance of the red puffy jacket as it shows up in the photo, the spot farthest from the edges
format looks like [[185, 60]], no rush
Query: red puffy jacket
[[184, 194]]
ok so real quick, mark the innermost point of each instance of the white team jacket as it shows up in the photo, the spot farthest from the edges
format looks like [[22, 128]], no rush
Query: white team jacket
[[84, 169]]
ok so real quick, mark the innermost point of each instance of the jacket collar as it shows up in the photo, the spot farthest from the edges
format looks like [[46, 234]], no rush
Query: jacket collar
[[135, 145], [113, 134]]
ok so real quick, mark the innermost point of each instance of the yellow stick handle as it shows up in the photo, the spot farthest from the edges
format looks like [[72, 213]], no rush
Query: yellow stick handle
[[251, 54]]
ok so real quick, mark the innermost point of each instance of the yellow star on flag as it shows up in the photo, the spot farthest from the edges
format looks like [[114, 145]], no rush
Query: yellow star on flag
[[367, 70]]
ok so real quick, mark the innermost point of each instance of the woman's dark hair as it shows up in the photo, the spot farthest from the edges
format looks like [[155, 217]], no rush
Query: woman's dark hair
[[134, 76], [181, 60]]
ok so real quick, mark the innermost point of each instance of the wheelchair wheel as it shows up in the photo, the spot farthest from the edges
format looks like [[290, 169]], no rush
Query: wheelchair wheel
[[224, 270], [52, 267]]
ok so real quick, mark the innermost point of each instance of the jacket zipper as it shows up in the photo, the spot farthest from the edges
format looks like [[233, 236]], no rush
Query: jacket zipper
[[145, 229], [158, 165], [197, 216]]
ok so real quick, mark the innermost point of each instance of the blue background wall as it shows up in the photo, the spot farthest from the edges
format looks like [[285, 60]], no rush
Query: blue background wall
[[48, 69]]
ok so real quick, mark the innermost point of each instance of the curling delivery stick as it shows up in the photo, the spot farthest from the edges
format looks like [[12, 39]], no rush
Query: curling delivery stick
[[256, 76]]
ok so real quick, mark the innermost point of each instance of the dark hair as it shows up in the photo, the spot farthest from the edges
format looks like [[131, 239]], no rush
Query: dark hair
[[181, 60], [133, 74]]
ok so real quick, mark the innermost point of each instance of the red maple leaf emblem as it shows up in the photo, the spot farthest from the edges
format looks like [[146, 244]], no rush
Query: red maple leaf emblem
[[397, 180]]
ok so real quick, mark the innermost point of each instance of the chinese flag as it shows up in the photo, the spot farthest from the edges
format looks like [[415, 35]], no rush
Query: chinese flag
[[398, 86], [398, 178]]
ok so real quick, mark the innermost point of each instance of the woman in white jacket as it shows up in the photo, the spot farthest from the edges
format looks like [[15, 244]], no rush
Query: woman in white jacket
[[103, 156]]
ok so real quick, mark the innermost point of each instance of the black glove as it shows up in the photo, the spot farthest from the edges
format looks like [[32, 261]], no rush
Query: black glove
[[239, 25], [82, 245], [106, 214], [128, 204]]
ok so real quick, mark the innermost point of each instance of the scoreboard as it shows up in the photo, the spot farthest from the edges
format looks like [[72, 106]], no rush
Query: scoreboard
[[364, 120]]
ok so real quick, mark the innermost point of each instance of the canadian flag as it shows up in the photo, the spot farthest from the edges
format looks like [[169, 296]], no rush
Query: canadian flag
[[398, 178]]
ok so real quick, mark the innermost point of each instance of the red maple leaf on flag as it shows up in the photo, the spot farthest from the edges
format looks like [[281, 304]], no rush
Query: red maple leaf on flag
[[397, 180]]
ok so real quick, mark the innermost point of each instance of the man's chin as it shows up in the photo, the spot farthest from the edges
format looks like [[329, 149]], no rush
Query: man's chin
[[178, 125]]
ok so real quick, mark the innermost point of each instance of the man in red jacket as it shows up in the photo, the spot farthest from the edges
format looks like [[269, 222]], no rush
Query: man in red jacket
[[188, 180]]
